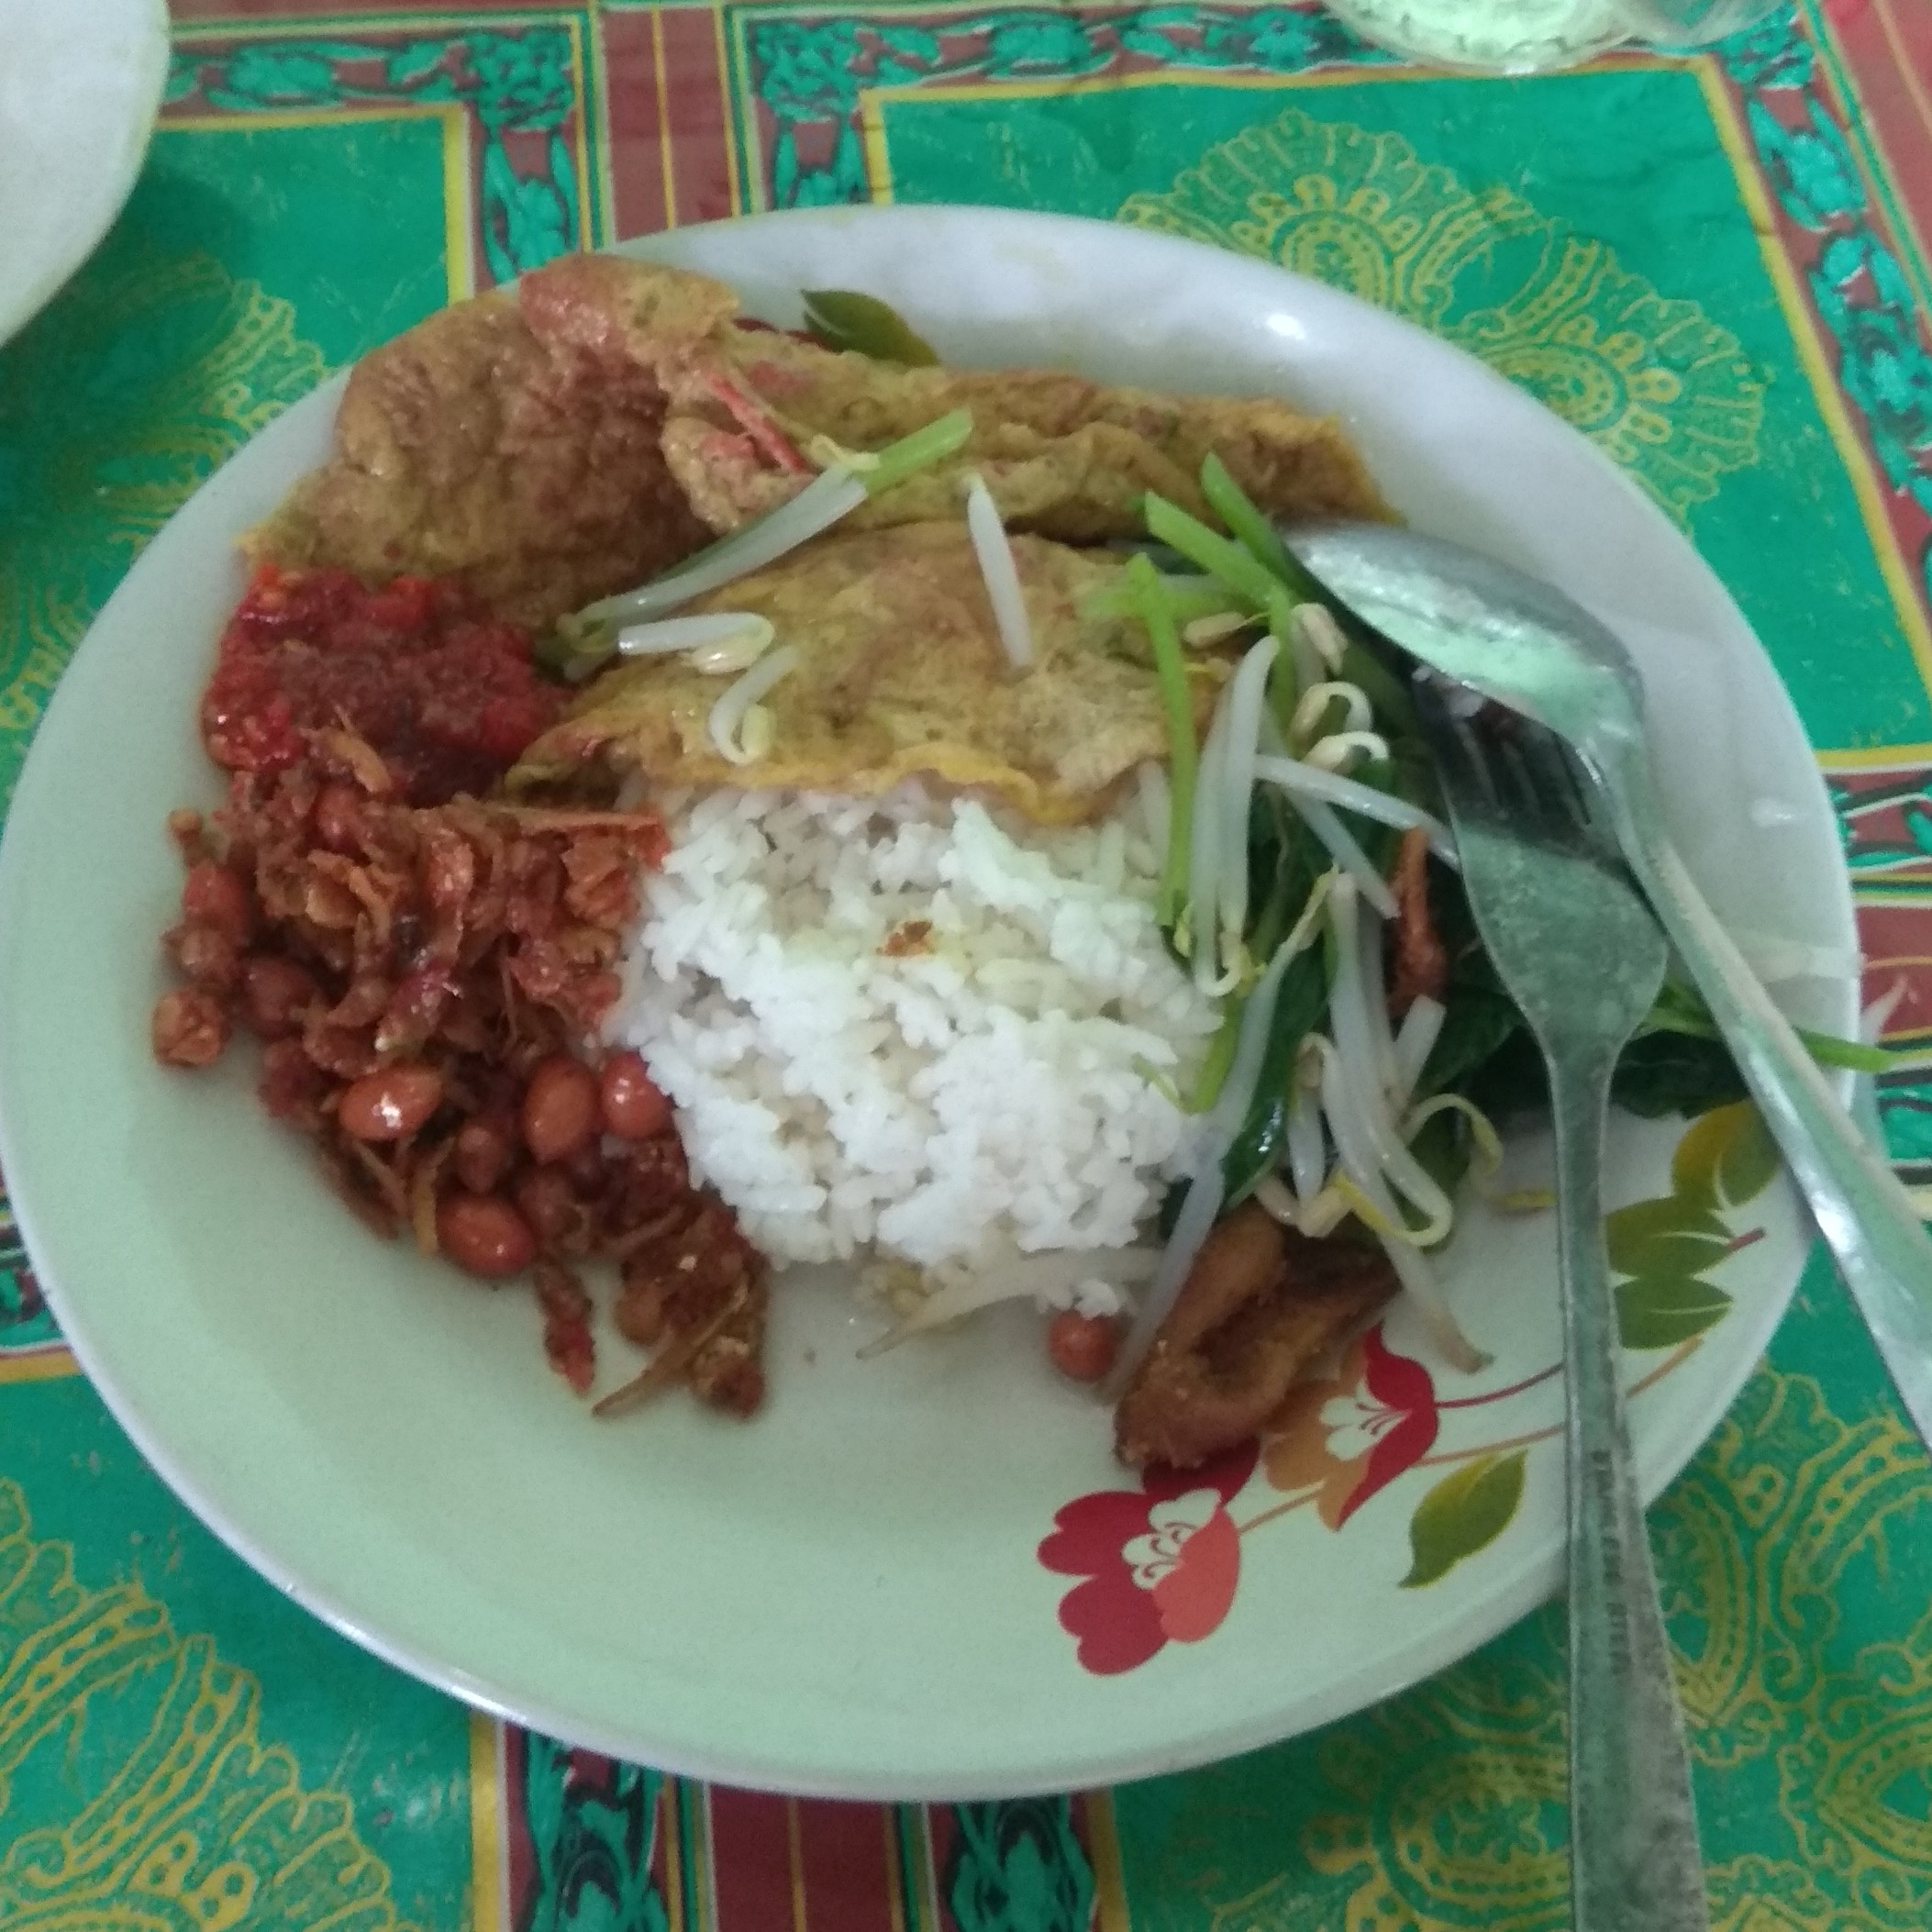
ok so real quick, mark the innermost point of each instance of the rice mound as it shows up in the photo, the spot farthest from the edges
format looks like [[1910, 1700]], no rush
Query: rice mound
[[852, 1084]]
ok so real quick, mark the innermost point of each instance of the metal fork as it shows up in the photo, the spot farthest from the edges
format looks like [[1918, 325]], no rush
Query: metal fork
[[1583, 957]]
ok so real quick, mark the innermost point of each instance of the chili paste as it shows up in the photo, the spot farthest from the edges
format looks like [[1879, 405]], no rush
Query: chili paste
[[445, 693]]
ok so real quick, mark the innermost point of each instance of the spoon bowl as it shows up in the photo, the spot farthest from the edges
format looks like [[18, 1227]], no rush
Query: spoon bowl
[[1483, 624]]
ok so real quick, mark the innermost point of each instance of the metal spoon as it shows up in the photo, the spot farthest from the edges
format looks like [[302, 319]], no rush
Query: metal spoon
[[1527, 646]]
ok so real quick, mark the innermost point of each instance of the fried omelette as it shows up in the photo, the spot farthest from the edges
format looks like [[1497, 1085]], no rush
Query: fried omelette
[[581, 434], [468, 447], [748, 408], [901, 674]]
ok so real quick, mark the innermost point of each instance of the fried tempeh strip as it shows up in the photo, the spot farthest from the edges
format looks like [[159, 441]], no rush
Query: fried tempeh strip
[[1260, 1308]]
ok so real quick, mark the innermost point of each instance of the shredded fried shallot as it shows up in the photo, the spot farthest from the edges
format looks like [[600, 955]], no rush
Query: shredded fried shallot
[[426, 983]]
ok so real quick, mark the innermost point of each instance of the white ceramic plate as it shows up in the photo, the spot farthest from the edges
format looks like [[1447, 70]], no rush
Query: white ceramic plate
[[846, 1596], [80, 85]]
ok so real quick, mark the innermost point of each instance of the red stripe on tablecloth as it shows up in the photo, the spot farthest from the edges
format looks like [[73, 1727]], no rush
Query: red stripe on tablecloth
[[799, 1864], [1896, 939], [752, 1863], [700, 121], [242, 10], [1888, 48], [637, 133], [850, 1884], [662, 81], [512, 1809]]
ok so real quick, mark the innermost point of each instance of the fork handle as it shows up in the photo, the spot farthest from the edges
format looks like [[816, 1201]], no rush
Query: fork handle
[[1866, 1216], [1634, 1861]]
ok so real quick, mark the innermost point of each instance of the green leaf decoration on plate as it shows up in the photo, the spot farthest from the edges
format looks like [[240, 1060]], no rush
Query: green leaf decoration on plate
[[842, 318], [1674, 1233], [1666, 1246], [1657, 1311], [1725, 1158], [1468, 1510]]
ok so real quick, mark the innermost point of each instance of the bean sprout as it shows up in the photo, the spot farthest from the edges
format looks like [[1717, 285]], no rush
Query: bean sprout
[[831, 496], [1323, 635], [1331, 754], [1421, 1026], [1203, 857], [1321, 820], [1156, 801], [1367, 1142], [1331, 788], [1308, 1154], [1202, 633], [1246, 693], [1411, 1268], [733, 711], [1314, 705], [723, 641], [1201, 1205], [1001, 575]]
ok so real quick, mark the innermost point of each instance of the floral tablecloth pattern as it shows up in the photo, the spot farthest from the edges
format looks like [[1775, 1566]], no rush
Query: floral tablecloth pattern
[[1717, 267]]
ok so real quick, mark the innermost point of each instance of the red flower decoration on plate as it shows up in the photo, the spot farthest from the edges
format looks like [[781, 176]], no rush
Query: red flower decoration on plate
[[1352, 1436], [1160, 1563]]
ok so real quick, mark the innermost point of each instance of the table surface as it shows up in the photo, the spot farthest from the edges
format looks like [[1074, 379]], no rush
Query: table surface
[[1715, 267]]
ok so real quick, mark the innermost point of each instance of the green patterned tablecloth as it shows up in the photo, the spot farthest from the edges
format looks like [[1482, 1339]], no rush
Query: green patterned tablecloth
[[1714, 267]]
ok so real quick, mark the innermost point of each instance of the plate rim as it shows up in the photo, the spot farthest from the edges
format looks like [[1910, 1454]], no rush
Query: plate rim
[[1390, 1672]]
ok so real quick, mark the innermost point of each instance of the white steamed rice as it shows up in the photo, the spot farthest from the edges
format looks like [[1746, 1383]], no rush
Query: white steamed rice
[[945, 1107]]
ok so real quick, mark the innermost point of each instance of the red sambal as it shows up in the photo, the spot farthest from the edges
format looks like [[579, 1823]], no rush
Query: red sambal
[[443, 692]]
